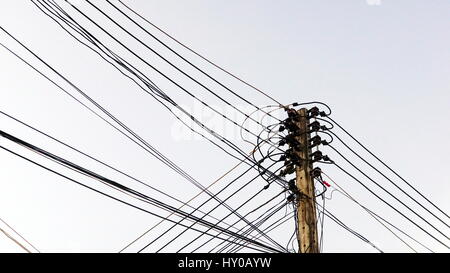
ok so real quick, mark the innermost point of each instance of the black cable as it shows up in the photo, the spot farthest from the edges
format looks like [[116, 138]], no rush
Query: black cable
[[382, 162], [391, 206], [51, 11], [247, 214], [259, 221], [267, 217], [87, 17], [267, 229], [152, 149], [104, 164], [157, 70], [171, 64], [205, 202], [205, 59], [108, 181], [196, 238], [199, 123], [250, 229], [315, 102], [102, 193], [389, 193], [340, 223], [183, 58], [149, 149], [392, 182], [139, 144], [375, 215], [146, 81]]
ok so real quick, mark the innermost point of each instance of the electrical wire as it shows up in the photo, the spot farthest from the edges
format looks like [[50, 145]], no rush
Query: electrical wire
[[143, 144], [392, 182], [14, 240], [18, 234], [178, 55], [113, 183], [260, 220], [105, 164], [107, 195], [389, 193], [246, 215], [340, 223], [205, 202], [277, 223], [378, 218], [391, 206], [205, 59], [195, 120], [389, 168]]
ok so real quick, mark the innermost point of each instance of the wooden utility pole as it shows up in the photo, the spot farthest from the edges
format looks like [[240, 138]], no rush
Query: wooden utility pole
[[306, 206]]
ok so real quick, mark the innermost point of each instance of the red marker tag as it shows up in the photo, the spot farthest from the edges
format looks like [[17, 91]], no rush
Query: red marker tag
[[326, 184]]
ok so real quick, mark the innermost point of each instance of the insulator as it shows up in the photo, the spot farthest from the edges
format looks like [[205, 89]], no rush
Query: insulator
[[291, 140], [315, 141], [290, 198], [326, 158], [316, 156], [289, 152], [316, 172], [315, 126], [324, 128], [291, 126], [289, 170], [313, 112], [292, 113], [291, 185]]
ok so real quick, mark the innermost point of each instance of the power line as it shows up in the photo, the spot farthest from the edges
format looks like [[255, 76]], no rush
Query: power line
[[174, 66], [377, 217], [259, 221], [387, 178], [340, 223], [239, 207], [53, 10], [14, 240], [205, 59], [391, 206], [222, 139], [157, 70], [113, 183], [384, 164], [205, 202], [197, 195], [18, 234], [106, 165], [389, 193], [143, 144], [277, 223]]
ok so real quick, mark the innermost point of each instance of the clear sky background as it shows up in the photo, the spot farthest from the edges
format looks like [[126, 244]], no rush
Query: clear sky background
[[382, 66]]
